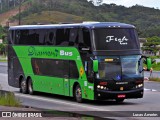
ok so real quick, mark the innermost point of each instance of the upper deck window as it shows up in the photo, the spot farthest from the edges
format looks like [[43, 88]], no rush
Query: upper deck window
[[116, 39]]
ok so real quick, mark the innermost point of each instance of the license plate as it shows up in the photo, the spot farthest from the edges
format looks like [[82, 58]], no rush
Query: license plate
[[121, 96]]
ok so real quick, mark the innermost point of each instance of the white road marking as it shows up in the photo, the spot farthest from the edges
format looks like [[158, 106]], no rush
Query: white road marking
[[145, 89], [154, 90]]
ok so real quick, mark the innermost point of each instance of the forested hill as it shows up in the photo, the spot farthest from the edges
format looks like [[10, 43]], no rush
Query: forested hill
[[147, 20]]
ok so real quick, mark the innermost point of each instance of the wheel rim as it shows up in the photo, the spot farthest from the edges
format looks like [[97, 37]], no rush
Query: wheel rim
[[30, 87], [78, 94], [23, 85]]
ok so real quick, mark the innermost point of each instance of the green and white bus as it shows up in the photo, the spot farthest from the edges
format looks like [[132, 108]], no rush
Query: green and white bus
[[94, 60]]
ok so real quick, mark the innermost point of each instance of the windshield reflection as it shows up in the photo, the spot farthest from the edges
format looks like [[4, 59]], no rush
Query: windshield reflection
[[119, 67]]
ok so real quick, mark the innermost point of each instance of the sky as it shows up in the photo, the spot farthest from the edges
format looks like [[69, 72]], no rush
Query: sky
[[129, 3]]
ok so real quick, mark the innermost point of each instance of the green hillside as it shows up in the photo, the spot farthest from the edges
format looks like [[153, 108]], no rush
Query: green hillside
[[147, 20], [51, 17]]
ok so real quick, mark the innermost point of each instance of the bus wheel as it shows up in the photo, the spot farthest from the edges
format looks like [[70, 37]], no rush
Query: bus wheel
[[23, 86], [30, 87], [78, 94], [119, 100]]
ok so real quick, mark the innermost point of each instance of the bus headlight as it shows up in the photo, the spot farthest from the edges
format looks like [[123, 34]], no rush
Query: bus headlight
[[98, 86], [139, 85], [102, 87]]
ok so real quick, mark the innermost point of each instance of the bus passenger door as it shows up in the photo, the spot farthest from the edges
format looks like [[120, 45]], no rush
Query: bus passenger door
[[66, 85]]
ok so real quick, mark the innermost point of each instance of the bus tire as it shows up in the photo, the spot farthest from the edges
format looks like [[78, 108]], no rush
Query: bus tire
[[30, 87], [119, 100], [78, 93], [23, 86]]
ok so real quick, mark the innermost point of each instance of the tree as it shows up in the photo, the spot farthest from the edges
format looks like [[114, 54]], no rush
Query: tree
[[1, 32], [1, 5], [152, 44], [2, 49], [96, 2], [99, 2]]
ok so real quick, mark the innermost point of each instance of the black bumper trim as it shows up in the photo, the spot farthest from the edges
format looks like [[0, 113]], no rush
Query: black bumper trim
[[138, 93]]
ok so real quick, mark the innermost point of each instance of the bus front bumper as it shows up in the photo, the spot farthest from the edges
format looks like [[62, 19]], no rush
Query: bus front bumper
[[101, 94]]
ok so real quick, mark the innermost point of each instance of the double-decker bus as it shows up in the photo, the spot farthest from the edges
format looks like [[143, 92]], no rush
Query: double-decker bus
[[94, 60]]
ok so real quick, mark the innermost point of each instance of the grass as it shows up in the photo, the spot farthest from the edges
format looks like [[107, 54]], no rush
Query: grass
[[156, 67], [3, 60], [51, 17], [156, 79], [2, 56], [9, 99]]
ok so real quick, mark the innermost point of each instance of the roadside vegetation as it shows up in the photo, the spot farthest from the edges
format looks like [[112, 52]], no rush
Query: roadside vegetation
[[3, 43], [9, 99], [156, 79], [156, 67], [3, 60], [152, 45]]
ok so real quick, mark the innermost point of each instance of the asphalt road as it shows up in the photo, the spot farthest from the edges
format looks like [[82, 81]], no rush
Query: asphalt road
[[3, 67], [105, 109]]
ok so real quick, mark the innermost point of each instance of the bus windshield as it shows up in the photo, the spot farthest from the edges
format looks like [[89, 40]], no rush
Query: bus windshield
[[115, 39], [117, 68]]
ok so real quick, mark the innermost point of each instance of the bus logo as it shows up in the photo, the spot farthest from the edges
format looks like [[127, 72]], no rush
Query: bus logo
[[31, 51], [118, 77], [122, 41]]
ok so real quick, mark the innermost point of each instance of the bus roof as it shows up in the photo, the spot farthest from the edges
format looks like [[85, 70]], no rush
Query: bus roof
[[90, 25]]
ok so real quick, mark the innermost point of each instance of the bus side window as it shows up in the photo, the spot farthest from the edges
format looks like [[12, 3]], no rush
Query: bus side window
[[33, 38], [17, 37], [86, 38], [73, 70], [23, 37], [50, 37], [80, 38], [10, 37], [62, 37], [73, 38], [41, 34]]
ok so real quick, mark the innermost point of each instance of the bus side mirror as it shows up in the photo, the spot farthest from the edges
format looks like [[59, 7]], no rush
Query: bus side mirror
[[149, 63], [95, 66]]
